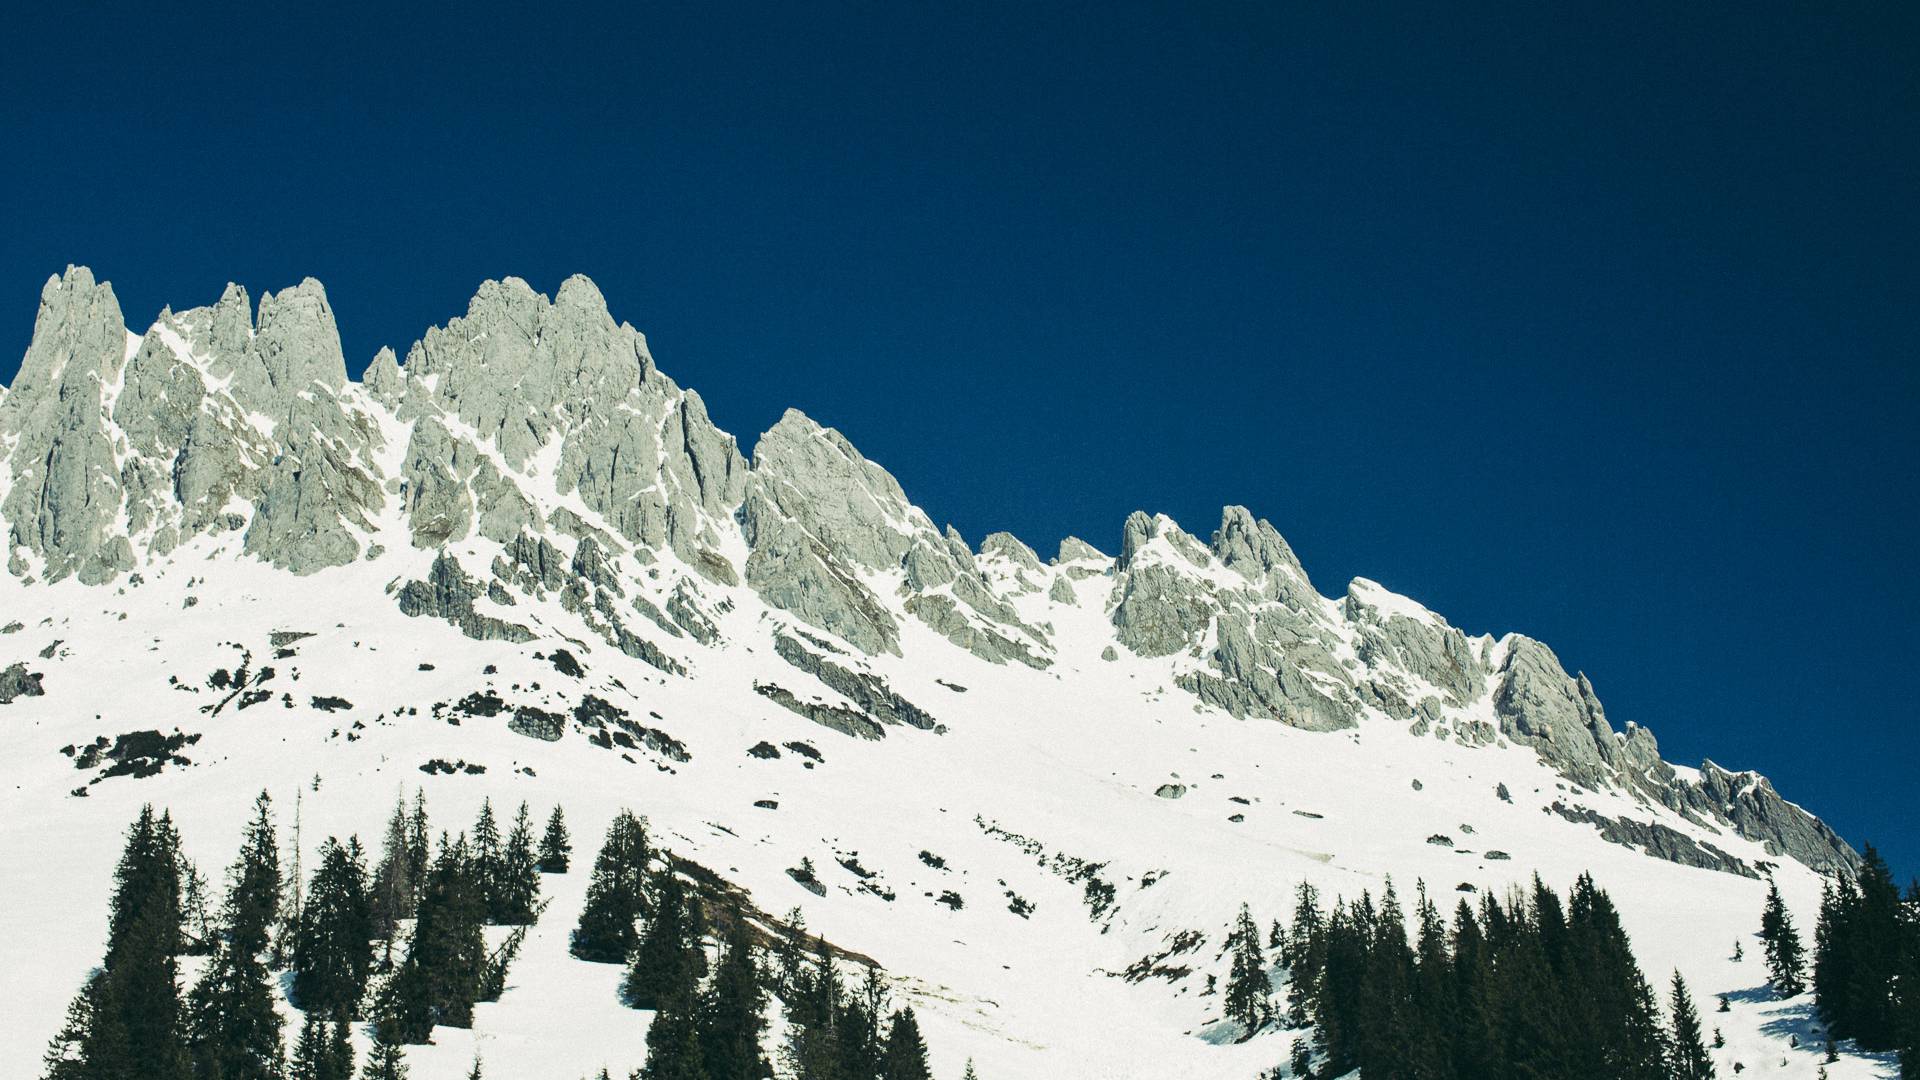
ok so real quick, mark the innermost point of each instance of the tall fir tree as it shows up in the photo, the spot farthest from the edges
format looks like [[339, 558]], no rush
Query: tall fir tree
[[516, 887], [733, 1010], [862, 1047], [1247, 984], [233, 1028], [1858, 956], [669, 961], [332, 952], [814, 1002], [253, 898], [673, 1042], [556, 847], [387, 1060], [127, 1020], [419, 843], [312, 1051], [1690, 1060], [340, 1050], [394, 886], [906, 1053], [442, 975], [486, 852], [606, 932], [1786, 959]]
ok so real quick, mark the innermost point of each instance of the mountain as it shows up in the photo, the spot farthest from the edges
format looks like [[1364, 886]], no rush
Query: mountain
[[525, 564]]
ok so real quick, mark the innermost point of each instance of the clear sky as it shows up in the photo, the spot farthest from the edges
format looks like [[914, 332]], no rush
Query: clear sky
[[1596, 322]]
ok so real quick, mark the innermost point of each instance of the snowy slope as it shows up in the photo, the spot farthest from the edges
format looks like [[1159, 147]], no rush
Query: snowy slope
[[1064, 731]]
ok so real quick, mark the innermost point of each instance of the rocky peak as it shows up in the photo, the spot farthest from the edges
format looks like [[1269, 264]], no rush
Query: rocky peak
[[297, 340]]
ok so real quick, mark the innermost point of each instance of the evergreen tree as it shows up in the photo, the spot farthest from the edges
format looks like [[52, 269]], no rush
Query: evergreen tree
[[340, 1051], [386, 1061], [394, 885], [441, 977], [1786, 962], [1247, 984], [857, 1029], [814, 1008], [733, 1011], [126, 1021], [969, 1074], [668, 962], [419, 843], [606, 932], [253, 898], [906, 1053], [201, 935], [486, 852], [333, 943], [556, 847], [1859, 951], [1689, 1060], [673, 1043], [233, 1029], [312, 1053], [516, 888]]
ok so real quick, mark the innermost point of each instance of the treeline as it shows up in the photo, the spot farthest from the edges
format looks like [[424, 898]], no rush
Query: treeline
[[1866, 962], [710, 1012], [1529, 988], [338, 935]]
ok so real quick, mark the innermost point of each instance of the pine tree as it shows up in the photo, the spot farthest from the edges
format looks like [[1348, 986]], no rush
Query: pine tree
[[673, 1043], [668, 962], [485, 848], [333, 943], [201, 936], [386, 1061], [442, 975], [516, 889], [233, 1029], [1858, 956], [1786, 961], [606, 931], [733, 1010], [312, 1053], [126, 1021], [65, 1058], [858, 1028], [1247, 984], [394, 885], [814, 1008], [340, 1051], [556, 847], [1690, 1060], [419, 843], [906, 1054], [969, 1074], [253, 899]]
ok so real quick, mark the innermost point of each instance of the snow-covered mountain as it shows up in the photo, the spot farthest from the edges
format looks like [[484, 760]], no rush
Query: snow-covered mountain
[[524, 564]]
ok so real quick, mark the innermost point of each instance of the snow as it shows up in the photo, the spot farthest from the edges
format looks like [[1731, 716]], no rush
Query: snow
[[1068, 757]]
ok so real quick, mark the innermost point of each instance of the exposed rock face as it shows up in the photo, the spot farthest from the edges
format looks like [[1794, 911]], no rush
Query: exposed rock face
[[537, 436], [448, 593], [869, 692], [17, 682], [65, 492], [1660, 841], [1757, 812]]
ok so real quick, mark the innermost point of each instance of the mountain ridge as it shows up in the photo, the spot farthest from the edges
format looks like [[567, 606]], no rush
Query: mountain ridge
[[191, 508], [516, 390]]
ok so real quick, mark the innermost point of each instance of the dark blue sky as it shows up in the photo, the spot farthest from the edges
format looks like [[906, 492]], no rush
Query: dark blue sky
[[1602, 325]]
